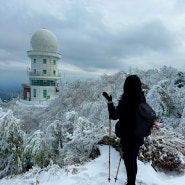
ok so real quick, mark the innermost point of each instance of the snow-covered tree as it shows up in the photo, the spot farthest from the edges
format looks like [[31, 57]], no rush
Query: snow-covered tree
[[11, 145], [36, 150], [160, 100], [84, 136], [54, 136]]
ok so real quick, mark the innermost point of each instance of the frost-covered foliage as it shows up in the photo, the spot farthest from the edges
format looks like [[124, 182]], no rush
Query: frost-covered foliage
[[165, 92], [11, 144], [66, 130], [159, 97], [36, 150], [79, 138], [54, 136], [17, 151], [165, 150]]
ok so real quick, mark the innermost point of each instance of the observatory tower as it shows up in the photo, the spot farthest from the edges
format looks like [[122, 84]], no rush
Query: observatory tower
[[44, 76]]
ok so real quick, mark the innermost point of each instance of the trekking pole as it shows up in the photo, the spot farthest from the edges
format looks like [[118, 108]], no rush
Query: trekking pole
[[109, 147], [116, 178]]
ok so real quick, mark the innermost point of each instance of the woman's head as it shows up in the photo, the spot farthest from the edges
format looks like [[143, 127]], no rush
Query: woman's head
[[132, 85], [132, 90]]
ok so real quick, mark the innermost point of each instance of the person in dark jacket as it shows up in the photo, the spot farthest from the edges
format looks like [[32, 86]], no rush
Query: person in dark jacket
[[126, 113]]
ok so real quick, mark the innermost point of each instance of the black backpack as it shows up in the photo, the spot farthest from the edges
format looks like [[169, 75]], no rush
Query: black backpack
[[145, 117]]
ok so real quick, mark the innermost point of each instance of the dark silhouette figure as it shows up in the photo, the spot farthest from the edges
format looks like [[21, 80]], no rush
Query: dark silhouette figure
[[126, 113]]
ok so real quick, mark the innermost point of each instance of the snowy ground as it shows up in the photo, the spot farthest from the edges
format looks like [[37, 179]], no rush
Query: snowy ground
[[94, 172]]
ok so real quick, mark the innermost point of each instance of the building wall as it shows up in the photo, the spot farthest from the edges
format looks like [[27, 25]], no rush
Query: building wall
[[44, 75], [50, 93], [41, 63]]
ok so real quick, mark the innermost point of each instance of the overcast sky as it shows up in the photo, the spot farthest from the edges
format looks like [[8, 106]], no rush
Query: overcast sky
[[95, 37]]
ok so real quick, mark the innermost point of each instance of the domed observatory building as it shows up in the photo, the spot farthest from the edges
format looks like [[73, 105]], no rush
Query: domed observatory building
[[44, 77]]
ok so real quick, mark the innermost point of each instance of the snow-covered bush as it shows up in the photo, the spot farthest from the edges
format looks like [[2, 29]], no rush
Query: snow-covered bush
[[68, 126], [54, 136], [11, 145], [165, 151], [82, 136], [160, 100], [36, 150]]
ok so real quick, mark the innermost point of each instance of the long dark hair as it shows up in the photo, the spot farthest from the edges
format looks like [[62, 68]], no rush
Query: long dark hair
[[132, 90]]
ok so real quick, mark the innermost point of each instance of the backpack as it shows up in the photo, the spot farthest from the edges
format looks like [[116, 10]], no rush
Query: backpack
[[145, 117]]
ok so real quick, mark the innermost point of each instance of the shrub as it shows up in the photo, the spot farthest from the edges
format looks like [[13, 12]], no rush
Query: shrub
[[165, 151], [11, 145]]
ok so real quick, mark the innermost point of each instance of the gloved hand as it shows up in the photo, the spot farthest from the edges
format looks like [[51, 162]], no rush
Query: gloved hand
[[109, 98]]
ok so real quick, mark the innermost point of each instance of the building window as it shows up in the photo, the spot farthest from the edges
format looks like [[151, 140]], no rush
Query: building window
[[44, 93], [34, 71], [34, 60], [34, 93], [44, 61], [44, 71], [54, 62], [54, 72], [43, 83]]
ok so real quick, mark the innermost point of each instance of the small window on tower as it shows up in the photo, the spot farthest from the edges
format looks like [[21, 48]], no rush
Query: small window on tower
[[34, 71], [54, 62], [54, 72], [44, 93], [44, 71], [44, 61], [34, 92], [34, 60]]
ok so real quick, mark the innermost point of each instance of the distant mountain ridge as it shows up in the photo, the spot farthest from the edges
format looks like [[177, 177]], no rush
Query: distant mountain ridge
[[7, 95]]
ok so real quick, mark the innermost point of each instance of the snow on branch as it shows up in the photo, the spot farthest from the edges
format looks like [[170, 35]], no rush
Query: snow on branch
[[165, 151]]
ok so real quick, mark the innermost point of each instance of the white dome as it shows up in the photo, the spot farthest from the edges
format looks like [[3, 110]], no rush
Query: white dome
[[44, 40]]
